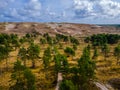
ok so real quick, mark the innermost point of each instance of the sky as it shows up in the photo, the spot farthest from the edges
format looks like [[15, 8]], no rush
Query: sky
[[75, 11]]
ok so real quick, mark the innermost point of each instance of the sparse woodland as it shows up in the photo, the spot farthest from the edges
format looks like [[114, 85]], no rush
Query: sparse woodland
[[32, 61]]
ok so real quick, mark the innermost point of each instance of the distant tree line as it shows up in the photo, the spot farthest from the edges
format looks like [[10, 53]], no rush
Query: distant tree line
[[101, 39]]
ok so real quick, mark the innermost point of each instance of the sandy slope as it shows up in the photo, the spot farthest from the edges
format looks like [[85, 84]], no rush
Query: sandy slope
[[53, 28]]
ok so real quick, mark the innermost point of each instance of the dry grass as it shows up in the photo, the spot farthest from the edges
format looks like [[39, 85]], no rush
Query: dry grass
[[105, 69]]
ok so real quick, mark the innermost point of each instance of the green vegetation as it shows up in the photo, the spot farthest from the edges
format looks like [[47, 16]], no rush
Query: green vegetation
[[95, 55], [117, 53], [46, 58], [33, 61], [69, 51], [23, 77], [33, 52], [22, 54], [105, 50], [101, 39], [83, 74], [67, 85], [86, 68]]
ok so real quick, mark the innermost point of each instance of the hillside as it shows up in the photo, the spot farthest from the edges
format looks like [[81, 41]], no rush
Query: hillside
[[61, 28]]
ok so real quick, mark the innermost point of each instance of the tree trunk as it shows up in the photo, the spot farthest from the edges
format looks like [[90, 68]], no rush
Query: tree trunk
[[25, 63], [117, 63], [0, 70], [33, 63], [105, 56], [6, 64], [46, 73]]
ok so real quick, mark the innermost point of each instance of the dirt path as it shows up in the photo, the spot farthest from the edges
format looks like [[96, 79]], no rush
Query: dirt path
[[59, 79], [103, 87]]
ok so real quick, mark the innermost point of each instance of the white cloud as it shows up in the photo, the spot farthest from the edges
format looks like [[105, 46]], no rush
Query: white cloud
[[4, 3], [101, 8], [83, 5], [83, 8], [110, 8], [34, 5], [64, 10], [31, 10]]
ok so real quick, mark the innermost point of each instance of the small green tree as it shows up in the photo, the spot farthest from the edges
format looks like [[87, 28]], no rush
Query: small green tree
[[67, 85], [117, 53], [22, 78], [30, 79], [22, 40], [86, 69], [87, 40], [22, 54], [57, 60], [17, 76], [28, 35], [105, 51], [95, 54], [74, 40], [42, 41], [46, 60], [60, 46], [4, 54], [14, 40], [61, 63], [74, 46], [69, 51], [64, 63], [33, 52], [15, 43], [47, 57], [48, 38]]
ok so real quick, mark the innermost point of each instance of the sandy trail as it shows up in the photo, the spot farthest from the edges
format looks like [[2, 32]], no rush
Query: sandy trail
[[59, 81]]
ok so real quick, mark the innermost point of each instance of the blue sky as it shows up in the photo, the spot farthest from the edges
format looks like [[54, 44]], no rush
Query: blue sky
[[76, 11]]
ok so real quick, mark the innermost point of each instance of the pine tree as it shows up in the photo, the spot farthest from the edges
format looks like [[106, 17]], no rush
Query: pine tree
[[117, 53], [61, 63], [74, 46], [64, 63], [67, 85], [30, 79], [69, 51], [86, 68], [22, 77], [33, 52], [57, 60], [95, 54], [22, 54], [105, 50], [4, 54], [17, 76], [46, 60], [42, 41], [47, 57]]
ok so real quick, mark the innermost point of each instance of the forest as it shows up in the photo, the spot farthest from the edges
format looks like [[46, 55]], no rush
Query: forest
[[33, 61]]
